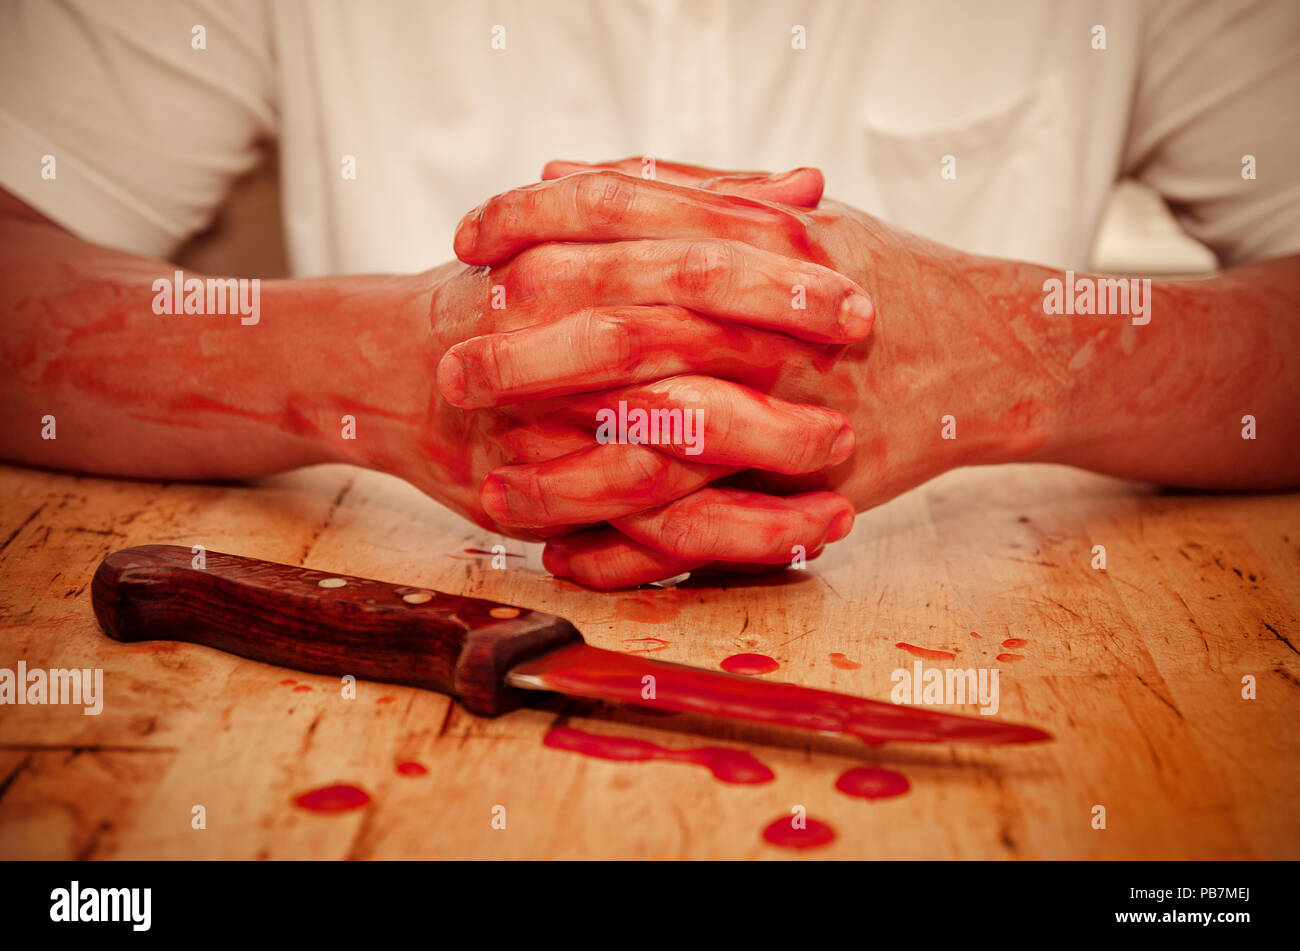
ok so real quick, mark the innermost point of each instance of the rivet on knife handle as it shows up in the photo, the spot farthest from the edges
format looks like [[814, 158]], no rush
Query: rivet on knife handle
[[326, 623]]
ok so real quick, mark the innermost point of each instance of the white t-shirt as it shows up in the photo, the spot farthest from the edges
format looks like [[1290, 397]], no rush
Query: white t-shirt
[[998, 127]]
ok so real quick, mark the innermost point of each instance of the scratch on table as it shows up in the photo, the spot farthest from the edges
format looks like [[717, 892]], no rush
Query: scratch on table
[[1163, 699], [27, 521], [329, 517], [1280, 637], [14, 774]]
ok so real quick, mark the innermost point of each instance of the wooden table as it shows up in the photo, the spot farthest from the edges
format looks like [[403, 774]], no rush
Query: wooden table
[[1137, 670]]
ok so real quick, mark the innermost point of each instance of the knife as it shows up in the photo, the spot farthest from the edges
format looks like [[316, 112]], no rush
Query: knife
[[489, 656]]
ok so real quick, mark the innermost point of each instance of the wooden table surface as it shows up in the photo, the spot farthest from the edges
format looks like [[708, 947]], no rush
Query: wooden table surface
[[1137, 670]]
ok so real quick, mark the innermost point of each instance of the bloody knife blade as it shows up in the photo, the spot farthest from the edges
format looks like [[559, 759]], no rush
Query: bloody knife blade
[[487, 655]]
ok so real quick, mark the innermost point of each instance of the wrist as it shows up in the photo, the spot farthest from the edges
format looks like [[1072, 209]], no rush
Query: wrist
[[354, 364]]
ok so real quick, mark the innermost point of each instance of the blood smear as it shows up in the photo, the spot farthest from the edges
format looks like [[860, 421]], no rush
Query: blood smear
[[782, 832], [866, 782], [287, 683], [615, 676], [412, 768], [302, 688], [727, 765], [386, 700], [843, 663], [652, 644], [339, 798], [749, 664], [1010, 657], [925, 652], [1014, 642]]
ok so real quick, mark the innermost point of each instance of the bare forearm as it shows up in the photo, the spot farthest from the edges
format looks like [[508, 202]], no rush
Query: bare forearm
[[1163, 400], [137, 393]]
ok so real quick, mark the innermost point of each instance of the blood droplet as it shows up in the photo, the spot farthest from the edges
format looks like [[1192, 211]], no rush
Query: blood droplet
[[925, 652], [843, 663], [750, 664], [1010, 657], [1014, 642], [287, 683], [338, 798], [412, 768], [783, 832], [726, 764], [866, 782], [302, 688], [386, 699]]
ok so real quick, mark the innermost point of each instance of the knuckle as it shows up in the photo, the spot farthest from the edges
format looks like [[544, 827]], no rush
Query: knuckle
[[492, 354], [530, 501], [811, 440], [606, 339], [601, 197], [715, 399], [536, 268], [643, 473], [689, 532], [707, 270]]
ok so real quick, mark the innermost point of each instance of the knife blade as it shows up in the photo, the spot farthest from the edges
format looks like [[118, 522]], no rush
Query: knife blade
[[489, 656]]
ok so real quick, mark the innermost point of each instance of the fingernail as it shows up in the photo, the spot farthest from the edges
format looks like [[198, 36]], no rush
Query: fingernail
[[495, 500], [843, 448], [842, 525], [467, 232], [556, 560], [856, 314], [451, 379]]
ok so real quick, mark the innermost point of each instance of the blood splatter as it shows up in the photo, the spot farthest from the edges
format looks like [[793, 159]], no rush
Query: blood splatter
[[973, 634], [287, 683], [338, 798], [1014, 642], [412, 768], [727, 765], [386, 699], [652, 644], [1010, 657], [751, 664], [866, 782], [783, 832], [843, 663], [925, 652], [302, 688]]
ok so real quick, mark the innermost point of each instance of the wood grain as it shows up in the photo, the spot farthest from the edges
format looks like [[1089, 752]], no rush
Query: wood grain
[[1137, 670]]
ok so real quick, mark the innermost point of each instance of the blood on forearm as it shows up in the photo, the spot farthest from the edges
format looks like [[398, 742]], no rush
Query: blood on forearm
[[1194, 383], [132, 392]]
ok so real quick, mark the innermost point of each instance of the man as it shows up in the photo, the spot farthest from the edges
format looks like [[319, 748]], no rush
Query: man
[[831, 359]]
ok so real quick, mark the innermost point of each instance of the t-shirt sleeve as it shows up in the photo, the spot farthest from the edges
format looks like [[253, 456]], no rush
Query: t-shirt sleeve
[[114, 125], [1218, 95]]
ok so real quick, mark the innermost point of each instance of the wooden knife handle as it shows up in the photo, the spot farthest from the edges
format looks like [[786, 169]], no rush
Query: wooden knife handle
[[325, 623]]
